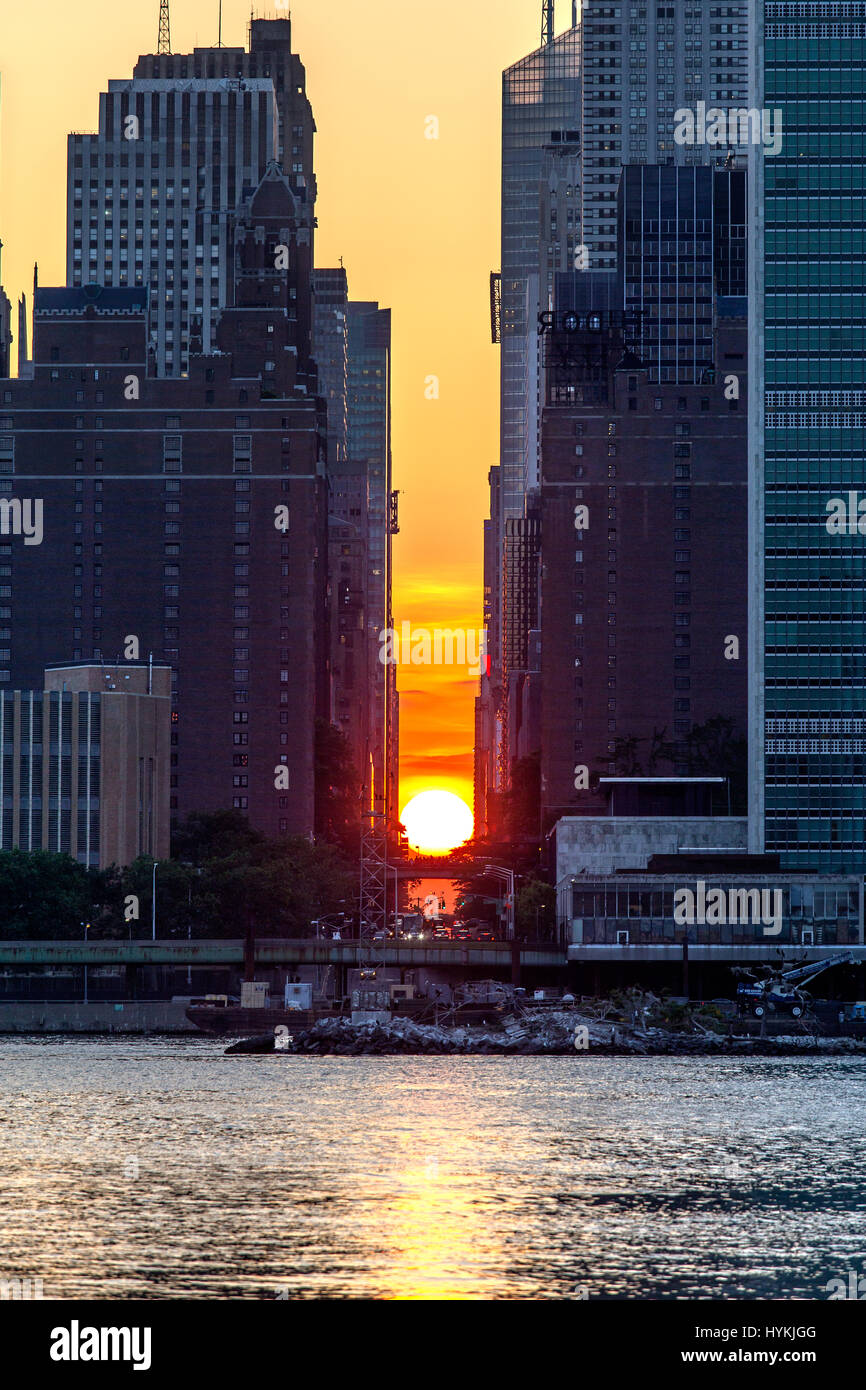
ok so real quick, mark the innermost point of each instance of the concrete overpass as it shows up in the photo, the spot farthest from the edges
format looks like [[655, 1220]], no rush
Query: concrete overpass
[[273, 953], [710, 953], [438, 866]]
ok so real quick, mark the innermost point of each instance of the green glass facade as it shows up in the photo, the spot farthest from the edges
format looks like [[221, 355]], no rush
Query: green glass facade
[[812, 60]]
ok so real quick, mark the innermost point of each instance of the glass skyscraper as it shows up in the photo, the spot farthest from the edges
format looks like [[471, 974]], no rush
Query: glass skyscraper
[[807, 446], [540, 232], [369, 441]]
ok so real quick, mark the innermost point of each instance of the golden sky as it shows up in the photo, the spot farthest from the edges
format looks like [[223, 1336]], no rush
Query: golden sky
[[416, 221]]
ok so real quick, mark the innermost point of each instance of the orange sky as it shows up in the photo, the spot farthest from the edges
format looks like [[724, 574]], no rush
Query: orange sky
[[415, 220]]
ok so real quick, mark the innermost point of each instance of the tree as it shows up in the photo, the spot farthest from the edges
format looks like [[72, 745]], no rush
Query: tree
[[231, 878], [625, 758], [43, 896], [523, 799], [535, 910], [212, 835], [338, 789], [711, 749]]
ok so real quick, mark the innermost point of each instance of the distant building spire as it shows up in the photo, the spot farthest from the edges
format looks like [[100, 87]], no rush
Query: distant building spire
[[22, 332], [163, 44], [574, 14]]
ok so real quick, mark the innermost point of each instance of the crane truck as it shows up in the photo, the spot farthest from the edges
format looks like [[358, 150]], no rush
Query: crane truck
[[781, 992]]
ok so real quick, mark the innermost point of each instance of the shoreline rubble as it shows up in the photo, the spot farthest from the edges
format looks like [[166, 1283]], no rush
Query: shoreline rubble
[[548, 1034]]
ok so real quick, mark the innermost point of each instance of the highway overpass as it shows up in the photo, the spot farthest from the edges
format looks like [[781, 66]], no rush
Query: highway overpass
[[273, 953]]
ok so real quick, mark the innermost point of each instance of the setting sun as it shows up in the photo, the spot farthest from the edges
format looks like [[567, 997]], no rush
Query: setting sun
[[437, 821]]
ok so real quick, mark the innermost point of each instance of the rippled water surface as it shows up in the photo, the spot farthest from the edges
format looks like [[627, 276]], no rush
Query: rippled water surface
[[160, 1168]]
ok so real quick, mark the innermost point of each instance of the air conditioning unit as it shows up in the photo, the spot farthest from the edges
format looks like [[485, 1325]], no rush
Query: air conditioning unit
[[622, 938], [807, 936]]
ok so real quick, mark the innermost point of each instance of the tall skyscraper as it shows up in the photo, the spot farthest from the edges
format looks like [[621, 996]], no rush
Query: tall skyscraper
[[151, 195], [369, 444], [331, 351], [684, 242], [602, 96], [540, 229], [643, 604], [641, 64], [5, 328], [806, 440], [184, 518]]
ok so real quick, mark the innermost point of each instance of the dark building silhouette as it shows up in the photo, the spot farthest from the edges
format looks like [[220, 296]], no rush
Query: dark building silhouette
[[352, 346], [185, 517], [369, 449], [643, 593], [5, 328]]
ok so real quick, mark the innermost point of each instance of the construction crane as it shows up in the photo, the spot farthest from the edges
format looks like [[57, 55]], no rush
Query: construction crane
[[163, 43], [780, 991]]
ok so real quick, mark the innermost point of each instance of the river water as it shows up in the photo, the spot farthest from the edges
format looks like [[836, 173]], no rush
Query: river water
[[159, 1168]]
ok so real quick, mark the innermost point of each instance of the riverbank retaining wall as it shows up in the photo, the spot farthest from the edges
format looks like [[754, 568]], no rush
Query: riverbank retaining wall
[[98, 1016]]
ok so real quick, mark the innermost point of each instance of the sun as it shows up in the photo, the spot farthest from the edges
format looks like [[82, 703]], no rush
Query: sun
[[437, 821]]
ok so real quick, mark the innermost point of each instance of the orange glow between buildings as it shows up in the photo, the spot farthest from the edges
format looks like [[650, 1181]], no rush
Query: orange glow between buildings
[[416, 221]]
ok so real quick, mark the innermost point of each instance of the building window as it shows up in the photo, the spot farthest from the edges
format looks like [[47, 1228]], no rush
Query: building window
[[172, 453], [242, 453]]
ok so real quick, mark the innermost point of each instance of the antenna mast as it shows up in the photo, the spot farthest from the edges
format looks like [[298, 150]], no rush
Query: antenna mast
[[163, 44], [547, 21]]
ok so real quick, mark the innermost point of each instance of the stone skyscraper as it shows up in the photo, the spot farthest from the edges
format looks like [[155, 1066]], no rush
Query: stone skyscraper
[[184, 518], [151, 195]]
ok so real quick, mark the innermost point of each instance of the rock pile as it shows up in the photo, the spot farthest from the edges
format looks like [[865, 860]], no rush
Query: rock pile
[[546, 1033]]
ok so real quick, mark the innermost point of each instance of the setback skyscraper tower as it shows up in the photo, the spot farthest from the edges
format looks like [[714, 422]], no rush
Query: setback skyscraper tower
[[641, 64], [151, 195], [184, 518]]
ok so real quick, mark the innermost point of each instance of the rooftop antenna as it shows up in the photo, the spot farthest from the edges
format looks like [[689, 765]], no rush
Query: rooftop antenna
[[547, 21], [163, 43], [220, 32], [574, 14]]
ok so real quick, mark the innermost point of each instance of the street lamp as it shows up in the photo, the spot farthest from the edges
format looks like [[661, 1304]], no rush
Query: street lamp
[[86, 926], [508, 876], [153, 900]]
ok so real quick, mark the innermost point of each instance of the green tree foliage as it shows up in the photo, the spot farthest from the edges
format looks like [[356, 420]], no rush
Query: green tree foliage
[[535, 910], [224, 878], [44, 895], [338, 789], [524, 798], [214, 835], [711, 749]]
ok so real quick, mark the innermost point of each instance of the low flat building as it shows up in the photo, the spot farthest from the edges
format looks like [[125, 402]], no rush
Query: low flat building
[[85, 764], [647, 816], [711, 907]]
